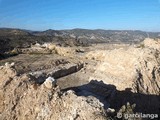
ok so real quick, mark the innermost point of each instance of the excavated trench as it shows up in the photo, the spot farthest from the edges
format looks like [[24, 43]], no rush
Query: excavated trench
[[56, 72]]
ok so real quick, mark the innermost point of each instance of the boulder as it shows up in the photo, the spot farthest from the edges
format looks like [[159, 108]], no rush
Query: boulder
[[50, 82]]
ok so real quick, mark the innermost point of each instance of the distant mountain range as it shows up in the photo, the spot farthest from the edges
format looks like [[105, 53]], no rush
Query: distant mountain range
[[100, 35], [11, 38]]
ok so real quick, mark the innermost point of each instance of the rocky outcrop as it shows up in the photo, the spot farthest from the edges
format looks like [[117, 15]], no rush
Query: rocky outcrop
[[7, 72], [136, 68], [63, 51], [50, 82], [152, 43], [22, 98], [56, 72], [47, 48], [58, 89]]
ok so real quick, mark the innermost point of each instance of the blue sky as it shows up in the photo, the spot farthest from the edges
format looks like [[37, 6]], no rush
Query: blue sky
[[90, 14]]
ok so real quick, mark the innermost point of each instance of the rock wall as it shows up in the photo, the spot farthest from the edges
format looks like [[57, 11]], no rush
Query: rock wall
[[136, 68]]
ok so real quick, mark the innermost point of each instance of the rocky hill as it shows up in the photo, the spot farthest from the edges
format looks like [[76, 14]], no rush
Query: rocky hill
[[15, 38], [97, 82], [12, 32], [100, 36]]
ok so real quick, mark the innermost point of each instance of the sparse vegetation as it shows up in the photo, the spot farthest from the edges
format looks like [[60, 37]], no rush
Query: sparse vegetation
[[83, 37]]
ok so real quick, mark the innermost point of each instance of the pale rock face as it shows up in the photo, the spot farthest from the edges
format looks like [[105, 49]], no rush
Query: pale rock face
[[63, 51], [152, 43], [7, 72], [8, 65], [110, 110], [20, 100], [50, 82], [135, 68], [12, 64]]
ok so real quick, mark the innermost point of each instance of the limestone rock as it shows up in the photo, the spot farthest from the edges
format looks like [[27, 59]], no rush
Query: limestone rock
[[110, 110], [50, 82], [136, 68], [152, 43], [63, 51], [19, 100]]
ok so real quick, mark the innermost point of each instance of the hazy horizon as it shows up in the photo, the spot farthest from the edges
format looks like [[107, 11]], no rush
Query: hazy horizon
[[42, 15], [78, 28]]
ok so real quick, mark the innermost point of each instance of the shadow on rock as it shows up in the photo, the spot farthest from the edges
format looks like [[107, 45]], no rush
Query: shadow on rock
[[113, 98]]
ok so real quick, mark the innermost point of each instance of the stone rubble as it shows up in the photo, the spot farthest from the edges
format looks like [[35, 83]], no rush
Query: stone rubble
[[25, 100]]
